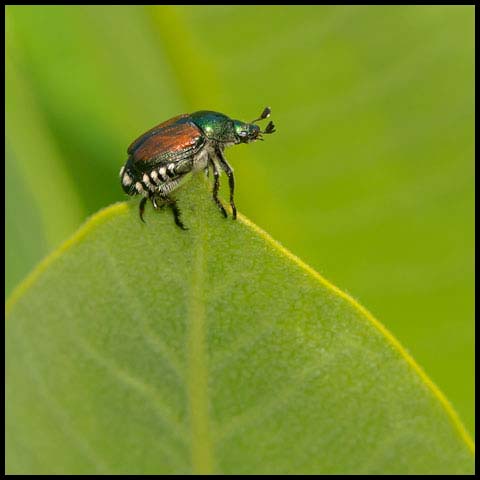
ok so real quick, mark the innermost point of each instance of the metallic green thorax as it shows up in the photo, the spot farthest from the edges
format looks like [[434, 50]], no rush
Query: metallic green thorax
[[221, 128], [214, 125]]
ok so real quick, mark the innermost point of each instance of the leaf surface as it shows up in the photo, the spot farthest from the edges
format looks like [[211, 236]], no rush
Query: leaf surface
[[146, 349]]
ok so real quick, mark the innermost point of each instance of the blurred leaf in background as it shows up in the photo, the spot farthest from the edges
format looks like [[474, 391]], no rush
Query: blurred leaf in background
[[369, 178]]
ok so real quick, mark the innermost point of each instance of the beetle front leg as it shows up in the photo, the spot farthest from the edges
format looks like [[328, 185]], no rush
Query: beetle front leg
[[231, 179], [216, 186]]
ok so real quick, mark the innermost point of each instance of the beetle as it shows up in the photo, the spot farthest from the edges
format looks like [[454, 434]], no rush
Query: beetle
[[160, 158]]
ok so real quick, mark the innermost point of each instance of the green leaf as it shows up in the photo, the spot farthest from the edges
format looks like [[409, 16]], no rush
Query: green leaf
[[141, 348]]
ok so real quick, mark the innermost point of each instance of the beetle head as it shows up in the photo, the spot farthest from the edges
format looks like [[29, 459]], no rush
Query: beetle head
[[249, 132]]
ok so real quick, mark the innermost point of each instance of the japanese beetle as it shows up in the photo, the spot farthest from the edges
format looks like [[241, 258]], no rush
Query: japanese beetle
[[160, 158]]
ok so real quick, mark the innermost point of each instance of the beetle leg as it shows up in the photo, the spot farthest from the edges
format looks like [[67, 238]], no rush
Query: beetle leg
[[231, 179], [160, 206], [143, 201], [141, 208], [176, 213], [172, 204], [216, 186]]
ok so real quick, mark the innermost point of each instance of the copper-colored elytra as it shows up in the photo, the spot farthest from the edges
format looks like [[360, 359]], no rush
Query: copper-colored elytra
[[150, 132], [175, 138]]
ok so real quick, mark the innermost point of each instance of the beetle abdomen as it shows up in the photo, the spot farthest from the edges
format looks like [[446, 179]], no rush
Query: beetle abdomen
[[160, 179]]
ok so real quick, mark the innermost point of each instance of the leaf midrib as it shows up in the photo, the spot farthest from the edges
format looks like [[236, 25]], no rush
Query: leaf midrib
[[197, 379]]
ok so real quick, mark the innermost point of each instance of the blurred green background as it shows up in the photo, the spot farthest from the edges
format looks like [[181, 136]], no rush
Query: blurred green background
[[369, 178]]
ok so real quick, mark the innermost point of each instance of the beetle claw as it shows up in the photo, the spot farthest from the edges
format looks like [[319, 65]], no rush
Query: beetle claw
[[141, 208]]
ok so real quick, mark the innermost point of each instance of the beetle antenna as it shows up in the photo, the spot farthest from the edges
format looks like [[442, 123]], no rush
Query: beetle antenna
[[265, 114], [270, 128]]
